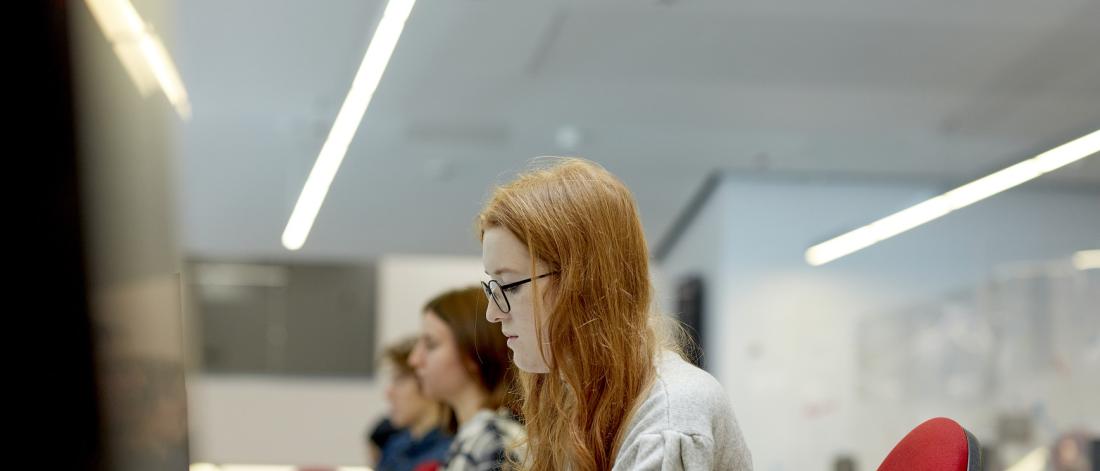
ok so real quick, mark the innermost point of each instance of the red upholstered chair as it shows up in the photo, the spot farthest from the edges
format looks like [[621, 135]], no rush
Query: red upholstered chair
[[938, 444]]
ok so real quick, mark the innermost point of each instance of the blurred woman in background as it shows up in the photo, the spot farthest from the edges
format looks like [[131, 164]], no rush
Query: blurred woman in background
[[462, 360], [422, 427]]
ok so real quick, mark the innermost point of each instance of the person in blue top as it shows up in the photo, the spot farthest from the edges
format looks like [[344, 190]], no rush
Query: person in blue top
[[423, 427]]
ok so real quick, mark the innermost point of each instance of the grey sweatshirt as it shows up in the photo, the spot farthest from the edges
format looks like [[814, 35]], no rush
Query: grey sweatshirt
[[685, 423]]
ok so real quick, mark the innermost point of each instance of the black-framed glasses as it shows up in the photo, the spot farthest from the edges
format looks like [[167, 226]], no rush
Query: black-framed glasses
[[495, 291]]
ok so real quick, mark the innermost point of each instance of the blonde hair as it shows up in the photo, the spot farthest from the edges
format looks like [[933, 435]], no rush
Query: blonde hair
[[582, 221]]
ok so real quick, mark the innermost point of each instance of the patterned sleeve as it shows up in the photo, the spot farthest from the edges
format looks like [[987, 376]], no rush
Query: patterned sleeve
[[487, 451]]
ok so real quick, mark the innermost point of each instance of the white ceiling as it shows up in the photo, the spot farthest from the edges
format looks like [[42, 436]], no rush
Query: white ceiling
[[661, 92]]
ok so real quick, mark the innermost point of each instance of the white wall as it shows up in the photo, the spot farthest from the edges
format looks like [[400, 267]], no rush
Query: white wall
[[405, 283], [273, 420], [303, 421], [782, 334]]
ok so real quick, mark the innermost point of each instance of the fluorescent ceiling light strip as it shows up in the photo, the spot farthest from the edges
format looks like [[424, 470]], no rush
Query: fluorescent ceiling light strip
[[115, 17], [166, 74], [347, 121], [1087, 260], [960, 197], [130, 38], [134, 62]]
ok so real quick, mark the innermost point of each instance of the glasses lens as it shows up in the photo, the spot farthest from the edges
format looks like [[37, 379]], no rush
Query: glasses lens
[[498, 296]]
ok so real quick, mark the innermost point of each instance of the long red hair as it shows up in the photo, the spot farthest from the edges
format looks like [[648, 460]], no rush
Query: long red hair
[[581, 221]]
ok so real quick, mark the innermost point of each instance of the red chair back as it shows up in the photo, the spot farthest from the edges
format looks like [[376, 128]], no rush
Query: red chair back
[[938, 444]]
